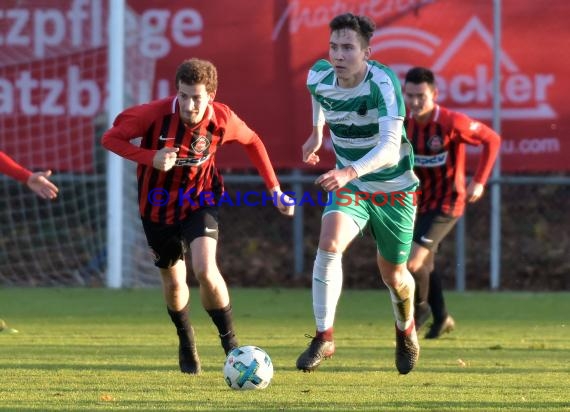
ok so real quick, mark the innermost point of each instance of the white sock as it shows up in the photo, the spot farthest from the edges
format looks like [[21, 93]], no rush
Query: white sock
[[403, 301], [327, 285]]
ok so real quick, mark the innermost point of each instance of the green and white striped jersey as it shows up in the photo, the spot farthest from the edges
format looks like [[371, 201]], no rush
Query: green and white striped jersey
[[353, 115]]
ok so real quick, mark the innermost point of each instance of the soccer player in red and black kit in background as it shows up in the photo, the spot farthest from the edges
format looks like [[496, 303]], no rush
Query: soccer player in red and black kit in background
[[180, 188], [38, 182], [438, 137]]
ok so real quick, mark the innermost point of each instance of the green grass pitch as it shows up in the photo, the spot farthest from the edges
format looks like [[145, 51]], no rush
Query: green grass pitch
[[98, 349]]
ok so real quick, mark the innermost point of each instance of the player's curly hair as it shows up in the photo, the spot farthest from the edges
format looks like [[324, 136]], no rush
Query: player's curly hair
[[362, 25], [418, 75], [196, 71]]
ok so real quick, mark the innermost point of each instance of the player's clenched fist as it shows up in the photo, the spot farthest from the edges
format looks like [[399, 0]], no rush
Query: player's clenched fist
[[165, 158], [284, 203], [311, 146]]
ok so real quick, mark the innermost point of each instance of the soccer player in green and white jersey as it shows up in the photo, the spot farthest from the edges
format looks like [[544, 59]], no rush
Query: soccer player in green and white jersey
[[361, 102]]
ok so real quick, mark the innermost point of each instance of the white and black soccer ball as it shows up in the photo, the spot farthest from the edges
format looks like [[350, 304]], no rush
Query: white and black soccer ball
[[248, 367]]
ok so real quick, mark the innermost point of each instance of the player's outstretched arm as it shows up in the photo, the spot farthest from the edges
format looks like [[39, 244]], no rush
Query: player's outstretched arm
[[257, 153], [38, 182], [42, 186]]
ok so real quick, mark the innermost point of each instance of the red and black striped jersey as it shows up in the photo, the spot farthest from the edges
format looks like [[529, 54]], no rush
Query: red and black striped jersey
[[167, 197], [10, 167], [439, 157]]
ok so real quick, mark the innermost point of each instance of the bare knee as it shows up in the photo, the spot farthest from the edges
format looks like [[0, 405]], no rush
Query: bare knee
[[392, 273], [330, 245], [177, 285], [206, 274], [420, 262], [172, 280], [174, 286], [393, 278], [337, 231], [213, 288], [419, 270], [414, 265]]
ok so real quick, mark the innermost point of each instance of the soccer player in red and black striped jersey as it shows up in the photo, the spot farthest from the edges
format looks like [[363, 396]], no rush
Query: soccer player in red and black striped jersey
[[38, 182], [180, 189], [439, 136]]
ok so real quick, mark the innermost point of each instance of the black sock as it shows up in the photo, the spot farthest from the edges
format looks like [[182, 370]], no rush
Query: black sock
[[435, 298], [223, 320], [183, 327], [422, 288]]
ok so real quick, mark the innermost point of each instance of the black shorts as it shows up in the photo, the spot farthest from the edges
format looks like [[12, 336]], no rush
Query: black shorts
[[431, 227], [169, 243]]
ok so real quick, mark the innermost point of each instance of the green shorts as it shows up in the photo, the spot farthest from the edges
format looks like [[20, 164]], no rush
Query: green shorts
[[390, 217]]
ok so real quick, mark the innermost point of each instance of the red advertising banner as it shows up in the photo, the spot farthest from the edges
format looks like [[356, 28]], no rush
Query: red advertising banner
[[53, 69], [53, 75]]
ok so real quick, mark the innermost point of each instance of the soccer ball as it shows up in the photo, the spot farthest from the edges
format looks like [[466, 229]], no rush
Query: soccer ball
[[248, 367]]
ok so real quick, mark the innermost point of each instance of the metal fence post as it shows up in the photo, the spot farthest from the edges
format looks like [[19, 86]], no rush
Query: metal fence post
[[496, 187], [298, 231]]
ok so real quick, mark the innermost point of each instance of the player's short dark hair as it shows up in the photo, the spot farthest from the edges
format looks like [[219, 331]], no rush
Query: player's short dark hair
[[362, 25], [196, 71], [418, 75]]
